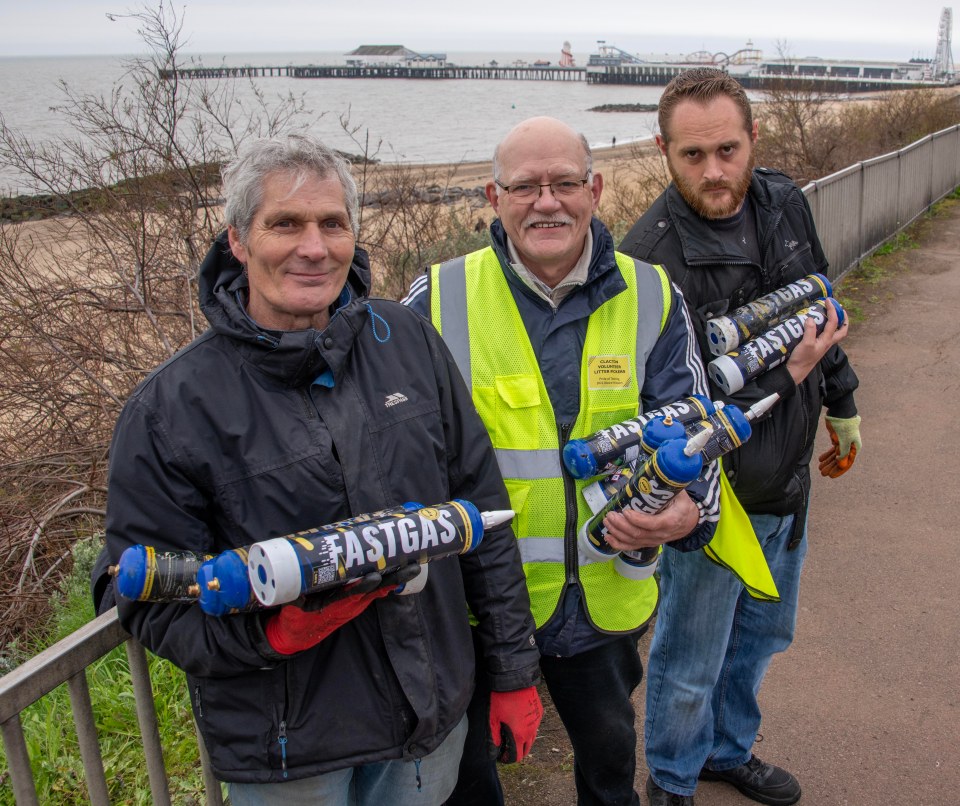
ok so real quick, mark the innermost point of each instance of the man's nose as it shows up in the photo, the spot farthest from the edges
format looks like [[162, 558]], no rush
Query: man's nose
[[546, 200], [312, 244], [713, 169]]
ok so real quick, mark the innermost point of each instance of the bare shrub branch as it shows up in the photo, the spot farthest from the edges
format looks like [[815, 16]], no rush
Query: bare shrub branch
[[94, 299], [631, 187], [808, 133]]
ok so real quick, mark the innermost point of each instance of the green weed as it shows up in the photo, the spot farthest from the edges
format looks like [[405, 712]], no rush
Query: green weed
[[51, 738]]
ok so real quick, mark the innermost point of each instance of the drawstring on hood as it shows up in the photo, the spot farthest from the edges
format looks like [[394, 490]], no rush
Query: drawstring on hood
[[374, 317]]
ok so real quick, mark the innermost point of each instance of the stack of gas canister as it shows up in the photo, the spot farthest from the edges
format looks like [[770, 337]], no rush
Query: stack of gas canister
[[642, 463]]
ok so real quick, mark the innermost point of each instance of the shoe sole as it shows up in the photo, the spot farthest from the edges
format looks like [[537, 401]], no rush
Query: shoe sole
[[753, 794]]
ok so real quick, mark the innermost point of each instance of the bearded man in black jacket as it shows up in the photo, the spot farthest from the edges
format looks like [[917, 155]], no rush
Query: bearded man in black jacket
[[727, 233]]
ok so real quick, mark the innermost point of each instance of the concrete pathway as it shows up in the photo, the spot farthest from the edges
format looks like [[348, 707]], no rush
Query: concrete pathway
[[865, 707]]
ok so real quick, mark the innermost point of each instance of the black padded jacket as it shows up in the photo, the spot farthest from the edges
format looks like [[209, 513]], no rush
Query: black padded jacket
[[235, 440], [770, 473]]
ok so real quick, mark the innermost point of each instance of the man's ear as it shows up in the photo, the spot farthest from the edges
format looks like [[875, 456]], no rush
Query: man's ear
[[755, 132], [492, 196], [596, 189], [661, 144], [238, 249]]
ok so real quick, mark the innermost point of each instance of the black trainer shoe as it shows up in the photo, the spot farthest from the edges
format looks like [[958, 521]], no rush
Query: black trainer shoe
[[660, 797], [759, 781]]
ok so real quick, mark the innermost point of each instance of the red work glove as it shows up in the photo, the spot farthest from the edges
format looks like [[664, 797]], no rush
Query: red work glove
[[514, 719], [845, 438], [294, 629]]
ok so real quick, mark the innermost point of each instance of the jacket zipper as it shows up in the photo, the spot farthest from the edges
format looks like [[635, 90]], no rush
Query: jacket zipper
[[282, 730], [711, 261], [282, 741], [570, 507], [808, 433], [765, 252]]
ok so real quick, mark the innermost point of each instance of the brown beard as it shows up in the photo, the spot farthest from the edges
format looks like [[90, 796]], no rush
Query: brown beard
[[693, 195]]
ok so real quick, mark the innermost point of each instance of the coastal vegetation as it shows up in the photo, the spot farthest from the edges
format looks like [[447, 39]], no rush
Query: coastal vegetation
[[808, 134], [624, 108], [98, 293], [804, 132]]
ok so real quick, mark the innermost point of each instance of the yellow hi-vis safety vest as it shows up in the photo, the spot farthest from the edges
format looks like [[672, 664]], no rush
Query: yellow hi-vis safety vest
[[472, 307]]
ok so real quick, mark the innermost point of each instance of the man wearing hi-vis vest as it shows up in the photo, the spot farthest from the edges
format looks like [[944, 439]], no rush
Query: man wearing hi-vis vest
[[558, 336]]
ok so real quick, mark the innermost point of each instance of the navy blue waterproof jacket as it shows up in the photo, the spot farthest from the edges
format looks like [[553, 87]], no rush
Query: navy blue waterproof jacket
[[231, 441], [770, 473]]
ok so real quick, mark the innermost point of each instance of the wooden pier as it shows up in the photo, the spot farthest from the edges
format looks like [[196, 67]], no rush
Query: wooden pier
[[847, 81], [647, 74], [496, 72]]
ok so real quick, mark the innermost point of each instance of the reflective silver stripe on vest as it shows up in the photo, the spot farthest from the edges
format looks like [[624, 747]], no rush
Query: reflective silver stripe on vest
[[649, 313], [548, 550], [452, 276], [541, 549], [529, 465]]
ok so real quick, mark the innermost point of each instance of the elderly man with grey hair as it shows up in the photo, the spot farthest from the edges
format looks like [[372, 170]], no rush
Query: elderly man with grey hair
[[306, 403], [559, 336]]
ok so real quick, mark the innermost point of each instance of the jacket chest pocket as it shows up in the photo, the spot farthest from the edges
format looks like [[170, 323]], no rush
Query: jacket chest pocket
[[511, 411], [798, 263]]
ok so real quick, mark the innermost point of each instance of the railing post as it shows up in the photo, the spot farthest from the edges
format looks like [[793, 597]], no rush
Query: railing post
[[18, 760], [210, 783], [956, 160], [863, 190], [899, 191], [88, 740], [147, 717]]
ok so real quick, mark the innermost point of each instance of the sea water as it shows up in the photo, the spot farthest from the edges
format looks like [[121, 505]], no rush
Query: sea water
[[396, 120]]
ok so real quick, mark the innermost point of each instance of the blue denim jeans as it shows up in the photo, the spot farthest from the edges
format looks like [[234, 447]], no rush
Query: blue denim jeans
[[393, 782], [710, 650]]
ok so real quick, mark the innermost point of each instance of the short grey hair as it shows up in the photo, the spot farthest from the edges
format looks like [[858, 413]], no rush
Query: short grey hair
[[299, 155], [583, 142]]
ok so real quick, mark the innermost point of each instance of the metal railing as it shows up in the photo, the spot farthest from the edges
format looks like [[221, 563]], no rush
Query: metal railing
[[859, 208], [66, 662], [855, 211]]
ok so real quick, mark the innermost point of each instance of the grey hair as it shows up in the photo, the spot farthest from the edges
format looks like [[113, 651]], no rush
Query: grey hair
[[583, 142], [300, 156]]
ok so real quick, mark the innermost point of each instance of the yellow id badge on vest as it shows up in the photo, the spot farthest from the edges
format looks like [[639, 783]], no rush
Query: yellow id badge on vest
[[608, 372]]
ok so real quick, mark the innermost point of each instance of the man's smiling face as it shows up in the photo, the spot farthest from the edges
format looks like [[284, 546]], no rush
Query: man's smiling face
[[298, 252], [547, 231]]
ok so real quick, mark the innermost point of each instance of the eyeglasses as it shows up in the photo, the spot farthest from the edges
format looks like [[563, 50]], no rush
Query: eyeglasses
[[530, 192]]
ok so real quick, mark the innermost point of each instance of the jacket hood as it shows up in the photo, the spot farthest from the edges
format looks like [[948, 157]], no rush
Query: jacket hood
[[291, 356]]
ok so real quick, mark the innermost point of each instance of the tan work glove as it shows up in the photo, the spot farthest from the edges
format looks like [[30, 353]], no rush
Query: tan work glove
[[845, 439]]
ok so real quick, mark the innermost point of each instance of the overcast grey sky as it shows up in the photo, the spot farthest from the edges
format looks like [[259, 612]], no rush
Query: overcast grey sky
[[884, 29]]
